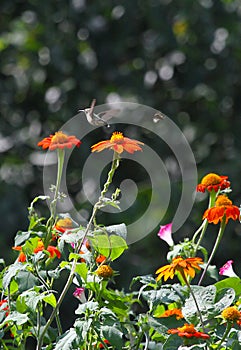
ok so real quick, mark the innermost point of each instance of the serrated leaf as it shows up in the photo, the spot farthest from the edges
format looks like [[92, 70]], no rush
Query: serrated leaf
[[65, 342], [114, 335]]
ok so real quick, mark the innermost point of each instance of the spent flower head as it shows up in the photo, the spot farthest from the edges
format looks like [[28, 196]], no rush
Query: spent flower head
[[214, 182]]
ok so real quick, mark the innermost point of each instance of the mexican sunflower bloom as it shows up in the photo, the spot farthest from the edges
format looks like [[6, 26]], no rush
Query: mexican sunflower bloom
[[53, 251], [101, 346], [118, 143], [213, 182], [188, 331], [59, 141], [186, 267], [173, 312], [223, 207]]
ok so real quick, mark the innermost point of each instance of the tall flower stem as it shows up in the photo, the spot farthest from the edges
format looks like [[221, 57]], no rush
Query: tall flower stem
[[219, 237], [194, 299], [229, 326], [114, 166], [53, 205], [204, 226]]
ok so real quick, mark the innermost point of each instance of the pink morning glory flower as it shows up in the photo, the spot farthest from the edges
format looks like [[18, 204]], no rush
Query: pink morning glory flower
[[79, 293], [165, 233], [227, 269]]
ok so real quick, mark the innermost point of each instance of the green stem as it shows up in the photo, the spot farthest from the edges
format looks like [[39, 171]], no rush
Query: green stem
[[194, 299], [212, 199], [115, 164], [219, 237], [229, 326], [53, 205]]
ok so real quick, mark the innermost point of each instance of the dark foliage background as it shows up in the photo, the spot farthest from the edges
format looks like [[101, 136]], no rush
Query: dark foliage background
[[180, 57]]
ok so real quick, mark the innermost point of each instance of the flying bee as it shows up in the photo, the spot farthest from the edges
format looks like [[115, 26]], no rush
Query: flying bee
[[98, 119], [158, 116]]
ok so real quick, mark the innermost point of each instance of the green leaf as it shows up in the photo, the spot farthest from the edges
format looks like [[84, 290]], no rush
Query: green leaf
[[74, 237], [119, 230], [11, 272], [157, 326], [110, 246], [118, 245], [50, 299], [90, 305], [114, 335], [172, 342], [82, 270], [21, 237], [17, 318], [231, 282], [224, 298], [26, 280], [65, 342]]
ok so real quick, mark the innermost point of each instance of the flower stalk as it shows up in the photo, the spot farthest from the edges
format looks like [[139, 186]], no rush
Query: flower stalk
[[218, 240]]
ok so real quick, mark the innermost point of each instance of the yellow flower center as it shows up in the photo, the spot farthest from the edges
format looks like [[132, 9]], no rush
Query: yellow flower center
[[211, 179], [189, 328], [116, 136], [104, 271], [223, 200], [59, 137], [65, 223], [231, 314]]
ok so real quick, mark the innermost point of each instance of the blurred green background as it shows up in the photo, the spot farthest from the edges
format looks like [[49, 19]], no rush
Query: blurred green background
[[180, 57]]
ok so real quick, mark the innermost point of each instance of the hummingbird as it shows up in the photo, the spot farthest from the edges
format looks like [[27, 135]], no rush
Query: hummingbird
[[98, 119]]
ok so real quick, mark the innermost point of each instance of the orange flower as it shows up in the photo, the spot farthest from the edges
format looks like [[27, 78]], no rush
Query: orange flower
[[213, 182], [63, 225], [101, 346], [100, 259], [22, 256], [59, 140], [53, 251], [188, 331], [118, 143], [173, 312], [223, 207], [184, 266]]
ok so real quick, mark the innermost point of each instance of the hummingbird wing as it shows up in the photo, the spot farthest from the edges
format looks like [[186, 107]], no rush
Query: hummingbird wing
[[107, 115], [92, 106]]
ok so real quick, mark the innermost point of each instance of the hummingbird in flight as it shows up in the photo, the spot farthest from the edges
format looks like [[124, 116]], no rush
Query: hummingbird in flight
[[98, 119]]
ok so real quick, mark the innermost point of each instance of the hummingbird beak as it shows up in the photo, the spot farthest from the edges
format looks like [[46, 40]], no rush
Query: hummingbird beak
[[81, 110]]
